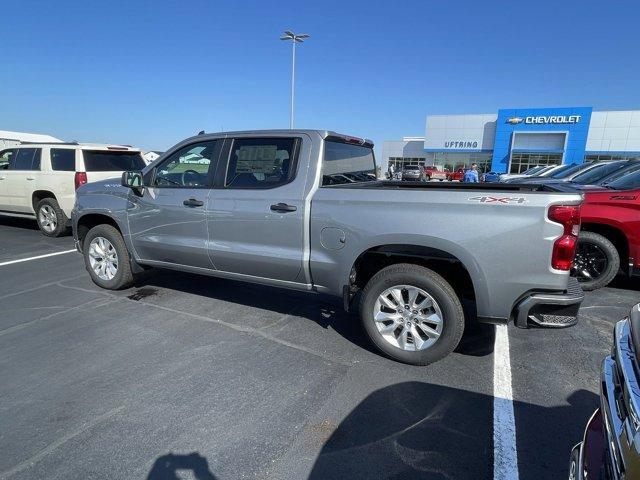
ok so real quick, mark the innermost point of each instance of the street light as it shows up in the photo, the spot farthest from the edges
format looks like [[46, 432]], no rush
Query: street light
[[289, 35]]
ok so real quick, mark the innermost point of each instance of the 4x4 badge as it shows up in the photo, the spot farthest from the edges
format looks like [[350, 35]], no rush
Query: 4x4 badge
[[498, 200]]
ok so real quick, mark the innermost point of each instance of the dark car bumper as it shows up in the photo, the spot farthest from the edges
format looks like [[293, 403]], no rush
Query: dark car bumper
[[587, 457], [551, 310], [620, 399], [611, 445]]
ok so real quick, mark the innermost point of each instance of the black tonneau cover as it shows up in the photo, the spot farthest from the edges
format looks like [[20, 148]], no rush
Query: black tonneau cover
[[496, 187]]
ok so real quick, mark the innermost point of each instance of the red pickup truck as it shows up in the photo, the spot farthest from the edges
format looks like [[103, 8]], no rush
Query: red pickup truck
[[610, 233], [432, 172], [456, 175]]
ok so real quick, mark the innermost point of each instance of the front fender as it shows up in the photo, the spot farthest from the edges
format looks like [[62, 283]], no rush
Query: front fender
[[112, 204]]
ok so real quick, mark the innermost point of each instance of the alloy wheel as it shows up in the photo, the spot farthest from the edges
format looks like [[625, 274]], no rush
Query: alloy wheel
[[590, 262], [47, 218], [103, 258], [408, 318]]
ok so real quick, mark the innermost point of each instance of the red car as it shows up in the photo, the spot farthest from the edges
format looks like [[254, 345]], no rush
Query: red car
[[456, 175], [610, 233], [432, 172]]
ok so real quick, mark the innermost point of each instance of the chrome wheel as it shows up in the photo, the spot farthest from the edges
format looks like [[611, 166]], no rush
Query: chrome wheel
[[590, 261], [408, 317], [103, 258], [573, 469], [47, 218]]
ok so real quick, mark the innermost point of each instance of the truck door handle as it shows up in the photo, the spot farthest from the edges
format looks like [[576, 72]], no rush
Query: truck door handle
[[192, 202], [283, 207], [31, 178]]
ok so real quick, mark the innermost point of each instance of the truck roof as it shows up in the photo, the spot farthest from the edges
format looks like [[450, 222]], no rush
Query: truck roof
[[324, 134]]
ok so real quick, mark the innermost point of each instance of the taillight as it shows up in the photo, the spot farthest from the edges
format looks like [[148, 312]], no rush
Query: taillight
[[80, 179], [564, 248]]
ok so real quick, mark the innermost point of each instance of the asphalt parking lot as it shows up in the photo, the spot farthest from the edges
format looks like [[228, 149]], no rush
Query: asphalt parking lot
[[185, 376]]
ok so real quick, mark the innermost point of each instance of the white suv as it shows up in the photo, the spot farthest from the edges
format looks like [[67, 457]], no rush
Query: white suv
[[40, 179]]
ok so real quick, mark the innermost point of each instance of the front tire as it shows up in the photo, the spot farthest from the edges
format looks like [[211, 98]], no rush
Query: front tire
[[597, 261], [106, 258], [51, 218], [411, 314]]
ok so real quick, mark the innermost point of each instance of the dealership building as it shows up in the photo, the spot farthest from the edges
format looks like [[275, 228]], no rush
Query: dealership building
[[513, 140]]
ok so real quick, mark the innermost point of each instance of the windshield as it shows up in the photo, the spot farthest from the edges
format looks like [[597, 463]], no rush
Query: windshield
[[597, 173], [111, 161], [558, 171], [533, 170], [623, 172], [412, 167], [347, 163], [543, 170], [567, 172], [629, 181]]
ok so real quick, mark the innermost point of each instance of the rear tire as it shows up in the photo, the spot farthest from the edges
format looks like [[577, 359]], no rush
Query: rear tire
[[595, 253], [106, 258], [444, 304], [51, 219]]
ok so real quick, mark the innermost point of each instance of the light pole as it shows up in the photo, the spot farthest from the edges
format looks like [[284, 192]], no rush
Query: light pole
[[289, 35]]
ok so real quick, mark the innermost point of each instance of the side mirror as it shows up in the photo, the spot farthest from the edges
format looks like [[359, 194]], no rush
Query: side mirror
[[133, 180]]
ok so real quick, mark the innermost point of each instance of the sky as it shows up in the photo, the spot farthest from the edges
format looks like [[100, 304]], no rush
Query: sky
[[151, 73]]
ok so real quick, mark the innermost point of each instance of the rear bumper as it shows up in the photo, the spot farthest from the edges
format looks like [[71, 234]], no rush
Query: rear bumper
[[550, 309]]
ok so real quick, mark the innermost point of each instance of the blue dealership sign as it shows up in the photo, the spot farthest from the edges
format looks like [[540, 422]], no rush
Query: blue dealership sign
[[574, 122]]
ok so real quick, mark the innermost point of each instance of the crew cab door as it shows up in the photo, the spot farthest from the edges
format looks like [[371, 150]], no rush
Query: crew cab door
[[256, 211], [168, 222]]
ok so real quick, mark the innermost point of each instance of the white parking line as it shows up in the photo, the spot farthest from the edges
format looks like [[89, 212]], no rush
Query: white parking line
[[11, 262], [505, 455]]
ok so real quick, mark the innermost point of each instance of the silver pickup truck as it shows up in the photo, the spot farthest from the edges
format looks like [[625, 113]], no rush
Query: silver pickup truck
[[303, 209]]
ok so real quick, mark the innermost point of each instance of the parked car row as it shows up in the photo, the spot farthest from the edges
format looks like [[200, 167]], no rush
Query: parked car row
[[430, 172]]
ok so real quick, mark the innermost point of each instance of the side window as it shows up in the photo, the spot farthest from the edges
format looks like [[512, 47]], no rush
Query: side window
[[261, 162], [63, 159], [189, 166], [5, 158], [25, 159]]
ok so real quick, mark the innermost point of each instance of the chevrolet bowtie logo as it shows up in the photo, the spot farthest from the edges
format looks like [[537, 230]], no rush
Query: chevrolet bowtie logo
[[515, 120]]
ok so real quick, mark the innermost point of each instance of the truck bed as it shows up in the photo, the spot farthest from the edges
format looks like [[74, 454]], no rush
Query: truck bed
[[492, 187]]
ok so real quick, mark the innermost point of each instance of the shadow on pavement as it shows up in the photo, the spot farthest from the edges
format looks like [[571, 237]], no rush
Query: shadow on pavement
[[626, 283], [15, 222], [168, 466], [324, 310], [415, 430]]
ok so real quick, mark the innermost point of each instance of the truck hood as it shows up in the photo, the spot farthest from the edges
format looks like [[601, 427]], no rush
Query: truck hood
[[109, 185]]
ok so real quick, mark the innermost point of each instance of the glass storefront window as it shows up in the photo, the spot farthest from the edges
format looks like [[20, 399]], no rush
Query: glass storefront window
[[453, 161], [606, 158], [400, 162], [522, 161]]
